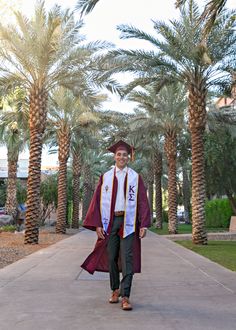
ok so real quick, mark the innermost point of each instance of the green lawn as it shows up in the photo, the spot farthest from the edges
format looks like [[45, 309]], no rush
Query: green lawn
[[222, 252], [183, 229]]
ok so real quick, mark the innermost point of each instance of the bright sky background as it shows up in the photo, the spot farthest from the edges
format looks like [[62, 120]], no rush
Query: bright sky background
[[101, 25]]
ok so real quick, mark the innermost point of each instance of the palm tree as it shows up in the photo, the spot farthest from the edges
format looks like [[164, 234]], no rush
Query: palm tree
[[148, 165], [164, 112], [180, 55], [82, 139], [13, 134], [143, 162], [87, 187], [76, 168], [150, 187], [66, 114], [93, 166], [39, 54], [158, 186], [184, 149], [150, 148]]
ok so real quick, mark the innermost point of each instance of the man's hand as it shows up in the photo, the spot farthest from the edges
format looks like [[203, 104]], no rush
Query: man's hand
[[142, 232], [100, 232]]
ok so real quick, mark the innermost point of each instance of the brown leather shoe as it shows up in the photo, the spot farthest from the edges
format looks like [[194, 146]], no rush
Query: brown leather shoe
[[125, 304], [115, 297]]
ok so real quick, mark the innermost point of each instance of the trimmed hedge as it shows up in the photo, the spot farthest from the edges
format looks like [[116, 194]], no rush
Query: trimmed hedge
[[218, 213], [10, 228]]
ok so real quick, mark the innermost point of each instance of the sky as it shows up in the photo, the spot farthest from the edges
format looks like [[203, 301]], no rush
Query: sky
[[101, 25]]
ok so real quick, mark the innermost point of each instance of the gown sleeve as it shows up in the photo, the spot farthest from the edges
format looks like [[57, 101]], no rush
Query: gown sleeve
[[93, 216], [143, 206]]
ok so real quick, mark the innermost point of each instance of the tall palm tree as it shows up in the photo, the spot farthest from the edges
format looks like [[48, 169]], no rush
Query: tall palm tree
[[40, 53], [164, 112], [150, 187], [87, 187], [184, 150], [143, 160], [76, 168], [66, 114], [93, 166], [82, 139], [158, 186], [14, 135], [150, 148], [149, 164], [180, 55]]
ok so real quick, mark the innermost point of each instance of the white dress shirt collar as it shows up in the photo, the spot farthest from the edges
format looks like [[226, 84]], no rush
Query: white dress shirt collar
[[121, 170]]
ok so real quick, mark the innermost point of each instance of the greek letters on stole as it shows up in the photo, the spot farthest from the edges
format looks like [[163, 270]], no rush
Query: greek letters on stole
[[130, 200]]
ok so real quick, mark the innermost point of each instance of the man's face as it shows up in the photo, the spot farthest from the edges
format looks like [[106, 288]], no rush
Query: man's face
[[121, 158]]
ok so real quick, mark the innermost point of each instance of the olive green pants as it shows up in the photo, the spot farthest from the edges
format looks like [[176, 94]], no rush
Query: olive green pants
[[123, 246]]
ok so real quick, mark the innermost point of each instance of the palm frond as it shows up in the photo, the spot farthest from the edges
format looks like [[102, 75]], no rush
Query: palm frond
[[47, 49], [179, 3], [10, 80], [129, 31], [86, 6], [212, 9]]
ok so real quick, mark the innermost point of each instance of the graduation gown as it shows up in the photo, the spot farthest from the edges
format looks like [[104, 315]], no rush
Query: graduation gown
[[98, 259]]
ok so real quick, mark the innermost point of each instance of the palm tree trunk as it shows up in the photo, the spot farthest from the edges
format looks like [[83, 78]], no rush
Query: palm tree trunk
[[11, 201], [33, 189], [158, 188], [232, 201], [197, 122], [186, 194], [86, 190], [64, 149], [150, 195], [62, 198], [76, 188], [37, 123], [170, 149]]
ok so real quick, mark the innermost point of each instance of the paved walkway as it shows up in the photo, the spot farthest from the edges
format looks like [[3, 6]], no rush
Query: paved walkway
[[176, 290]]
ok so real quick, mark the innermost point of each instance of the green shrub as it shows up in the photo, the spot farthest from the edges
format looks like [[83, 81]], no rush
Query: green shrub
[[218, 213], [11, 228], [3, 189]]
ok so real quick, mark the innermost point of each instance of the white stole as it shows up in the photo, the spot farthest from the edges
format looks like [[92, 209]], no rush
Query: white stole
[[130, 200]]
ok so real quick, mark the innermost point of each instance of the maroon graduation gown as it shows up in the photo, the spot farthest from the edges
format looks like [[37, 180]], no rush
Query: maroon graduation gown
[[98, 259]]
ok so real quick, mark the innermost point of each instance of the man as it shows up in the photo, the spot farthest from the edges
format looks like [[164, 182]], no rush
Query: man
[[120, 214]]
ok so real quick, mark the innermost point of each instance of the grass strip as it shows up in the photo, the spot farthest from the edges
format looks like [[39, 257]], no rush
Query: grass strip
[[183, 229], [221, 252]]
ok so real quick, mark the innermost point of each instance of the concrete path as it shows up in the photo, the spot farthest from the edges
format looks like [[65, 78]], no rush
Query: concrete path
[[176, 290]]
